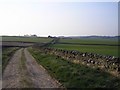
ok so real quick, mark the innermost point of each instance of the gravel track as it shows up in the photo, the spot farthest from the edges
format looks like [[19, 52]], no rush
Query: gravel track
[[36, 75], [11, 75], [39, 75]]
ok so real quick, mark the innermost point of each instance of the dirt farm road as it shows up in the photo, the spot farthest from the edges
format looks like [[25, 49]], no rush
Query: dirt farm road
[[23, 71]]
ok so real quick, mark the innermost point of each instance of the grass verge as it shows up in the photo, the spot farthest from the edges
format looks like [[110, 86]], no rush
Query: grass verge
[[7, 53], [74, 75]]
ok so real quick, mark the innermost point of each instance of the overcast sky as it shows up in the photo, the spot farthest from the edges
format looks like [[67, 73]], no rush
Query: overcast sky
[[45, 18]]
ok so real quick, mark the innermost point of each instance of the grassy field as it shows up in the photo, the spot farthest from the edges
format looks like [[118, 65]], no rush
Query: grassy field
[[74, 75], [104, 50], [6, 54], [26, 39], [75, 44], [91, 41]]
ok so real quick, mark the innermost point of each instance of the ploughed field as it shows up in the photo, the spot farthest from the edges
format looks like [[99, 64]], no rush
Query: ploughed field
[[98, 46]]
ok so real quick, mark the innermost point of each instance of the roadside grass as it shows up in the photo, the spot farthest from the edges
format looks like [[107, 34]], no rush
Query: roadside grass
[[7, 53], [91, 41], [104, 50], [26, 39], [74, 75], [25, 79]]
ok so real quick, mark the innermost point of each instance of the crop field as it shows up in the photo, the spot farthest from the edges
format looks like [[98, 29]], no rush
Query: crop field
[[26, 39], [108, 47]]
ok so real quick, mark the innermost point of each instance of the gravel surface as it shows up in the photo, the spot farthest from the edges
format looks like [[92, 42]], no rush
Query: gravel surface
[[37, 76], [11, 75]]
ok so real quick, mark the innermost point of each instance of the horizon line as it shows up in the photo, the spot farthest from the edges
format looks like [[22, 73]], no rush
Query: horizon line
[[61, 35]]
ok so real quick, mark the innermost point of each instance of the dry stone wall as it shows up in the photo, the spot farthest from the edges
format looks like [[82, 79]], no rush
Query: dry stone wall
[[107, 63]]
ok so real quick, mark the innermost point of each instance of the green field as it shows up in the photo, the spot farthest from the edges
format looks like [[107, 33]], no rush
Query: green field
[[26, 39], [91, 41], [74, 75], [75, 44], [104, 50]]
